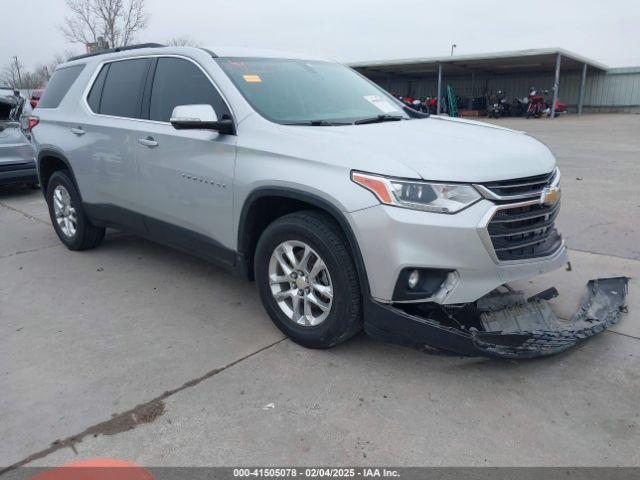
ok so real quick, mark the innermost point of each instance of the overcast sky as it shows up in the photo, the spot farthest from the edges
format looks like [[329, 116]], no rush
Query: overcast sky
[[354, 30]]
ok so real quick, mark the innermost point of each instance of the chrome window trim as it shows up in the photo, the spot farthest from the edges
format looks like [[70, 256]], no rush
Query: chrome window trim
[[100, 66], [488, 194]]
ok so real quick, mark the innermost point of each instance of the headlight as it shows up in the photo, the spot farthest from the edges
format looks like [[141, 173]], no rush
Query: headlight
[[427, 196]]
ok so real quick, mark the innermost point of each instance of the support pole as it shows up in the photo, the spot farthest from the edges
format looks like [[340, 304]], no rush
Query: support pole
[[556, 87], [583, 84], [439, 88], [473, 89]]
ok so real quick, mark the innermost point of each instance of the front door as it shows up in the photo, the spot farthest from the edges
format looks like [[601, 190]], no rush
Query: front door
[[185, 177]]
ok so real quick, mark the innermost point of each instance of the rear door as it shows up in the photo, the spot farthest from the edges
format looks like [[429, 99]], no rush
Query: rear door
[[186, 176], [105, 153]]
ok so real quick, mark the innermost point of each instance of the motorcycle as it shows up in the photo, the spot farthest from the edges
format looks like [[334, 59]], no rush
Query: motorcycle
[[431, 105], [498, 105], [519, 106], [537, 103]]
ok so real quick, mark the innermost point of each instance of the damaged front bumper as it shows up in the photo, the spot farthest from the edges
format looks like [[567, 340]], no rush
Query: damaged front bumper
[[501, 324]]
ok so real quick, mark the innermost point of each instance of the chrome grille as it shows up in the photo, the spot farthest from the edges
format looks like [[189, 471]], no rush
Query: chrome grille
[[523, 232], [519, 188]]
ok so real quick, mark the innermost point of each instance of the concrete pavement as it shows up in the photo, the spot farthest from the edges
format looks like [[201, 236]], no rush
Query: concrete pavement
[[87, 336]]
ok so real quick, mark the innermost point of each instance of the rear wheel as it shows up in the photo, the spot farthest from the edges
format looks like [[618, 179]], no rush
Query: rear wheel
[[67, 216], [307, 280]]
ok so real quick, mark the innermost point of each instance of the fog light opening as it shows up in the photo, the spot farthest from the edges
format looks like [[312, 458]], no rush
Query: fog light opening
[[414, 279], [420, 283]]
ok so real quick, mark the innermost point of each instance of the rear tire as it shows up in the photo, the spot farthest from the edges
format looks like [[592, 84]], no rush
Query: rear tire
[[280, 255], [69, 220]]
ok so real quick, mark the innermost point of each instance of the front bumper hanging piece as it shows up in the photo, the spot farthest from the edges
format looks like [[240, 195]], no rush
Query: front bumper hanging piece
[[532, 330], [502, 324]]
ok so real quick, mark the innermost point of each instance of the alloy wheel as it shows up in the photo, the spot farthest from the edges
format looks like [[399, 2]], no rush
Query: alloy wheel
[[64, 211], [300, 283]]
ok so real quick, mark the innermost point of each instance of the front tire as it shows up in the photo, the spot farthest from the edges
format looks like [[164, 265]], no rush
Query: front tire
[[307, 280], [69, 220]]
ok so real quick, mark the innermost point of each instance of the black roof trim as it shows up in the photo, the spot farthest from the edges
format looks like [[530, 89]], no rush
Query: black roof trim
[[118, 49]]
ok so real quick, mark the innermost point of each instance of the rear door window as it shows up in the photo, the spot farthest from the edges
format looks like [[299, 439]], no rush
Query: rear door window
[[123, 86], [59, 85], [180, 82]]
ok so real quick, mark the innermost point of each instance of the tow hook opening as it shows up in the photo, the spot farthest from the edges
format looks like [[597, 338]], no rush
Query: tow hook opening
[[505, 323]]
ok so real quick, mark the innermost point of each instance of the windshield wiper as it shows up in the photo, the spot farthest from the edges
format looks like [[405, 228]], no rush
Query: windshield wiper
[[379, 119], [317, 123]]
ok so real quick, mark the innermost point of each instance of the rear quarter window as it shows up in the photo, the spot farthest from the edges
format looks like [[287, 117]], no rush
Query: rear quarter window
[[59, 85], [96, 90]]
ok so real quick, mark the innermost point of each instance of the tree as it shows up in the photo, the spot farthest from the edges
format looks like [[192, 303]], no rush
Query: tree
[[30, 81], [12, 74], [183, 41], [44, 71], [15, 75], [112, 22]]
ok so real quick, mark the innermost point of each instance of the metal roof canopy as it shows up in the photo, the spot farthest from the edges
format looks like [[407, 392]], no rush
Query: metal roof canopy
[[499, 63], [517, 61]]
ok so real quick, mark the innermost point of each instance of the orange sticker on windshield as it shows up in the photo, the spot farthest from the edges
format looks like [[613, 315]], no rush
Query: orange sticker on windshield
[[252, 78]]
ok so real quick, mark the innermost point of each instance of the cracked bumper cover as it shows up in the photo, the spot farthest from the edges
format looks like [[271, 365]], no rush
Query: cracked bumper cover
[[501, 324]]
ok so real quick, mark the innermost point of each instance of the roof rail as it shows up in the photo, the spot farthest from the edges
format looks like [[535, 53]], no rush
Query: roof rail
[[117, 49], [213, 54]]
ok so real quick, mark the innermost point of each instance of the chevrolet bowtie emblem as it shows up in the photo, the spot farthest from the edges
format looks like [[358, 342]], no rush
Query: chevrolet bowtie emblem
[[550, 195]]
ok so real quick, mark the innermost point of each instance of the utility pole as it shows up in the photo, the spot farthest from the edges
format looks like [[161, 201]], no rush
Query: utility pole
[[17, 65]]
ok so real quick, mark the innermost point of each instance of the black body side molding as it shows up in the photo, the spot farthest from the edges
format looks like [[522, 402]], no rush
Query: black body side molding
[[161, 232]]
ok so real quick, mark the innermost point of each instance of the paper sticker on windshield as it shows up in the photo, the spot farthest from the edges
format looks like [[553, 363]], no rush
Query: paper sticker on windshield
[[380, 103], [252, 78]]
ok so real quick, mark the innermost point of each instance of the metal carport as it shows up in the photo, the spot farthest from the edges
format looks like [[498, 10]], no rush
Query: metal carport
[[554, 60]]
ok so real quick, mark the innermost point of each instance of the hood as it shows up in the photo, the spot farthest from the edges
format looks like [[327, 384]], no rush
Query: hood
[[434, 148]]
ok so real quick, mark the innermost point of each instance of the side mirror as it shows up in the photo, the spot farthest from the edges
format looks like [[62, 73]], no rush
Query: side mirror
[[200, 117]]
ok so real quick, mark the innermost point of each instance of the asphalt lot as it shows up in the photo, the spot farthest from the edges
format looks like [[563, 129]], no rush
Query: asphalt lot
[[86, 336]]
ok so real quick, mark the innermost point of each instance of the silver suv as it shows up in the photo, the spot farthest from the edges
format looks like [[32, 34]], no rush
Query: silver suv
[[347, 208], [17, 154]]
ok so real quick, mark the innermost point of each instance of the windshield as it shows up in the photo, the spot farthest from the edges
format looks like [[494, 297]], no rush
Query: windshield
[[308, 92]]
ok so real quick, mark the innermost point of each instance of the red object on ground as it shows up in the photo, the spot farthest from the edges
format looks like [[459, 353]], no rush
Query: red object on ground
[[97, 469], [560, 107]]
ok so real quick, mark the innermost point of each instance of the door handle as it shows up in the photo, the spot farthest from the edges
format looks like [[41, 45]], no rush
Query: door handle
[[78, 131], [148, 142]]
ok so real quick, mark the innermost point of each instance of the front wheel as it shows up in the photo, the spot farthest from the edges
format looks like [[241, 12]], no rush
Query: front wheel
[[307, 280]]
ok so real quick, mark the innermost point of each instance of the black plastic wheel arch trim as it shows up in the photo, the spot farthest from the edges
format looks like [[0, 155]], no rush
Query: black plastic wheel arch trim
[[58, 155], [313, 200]]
